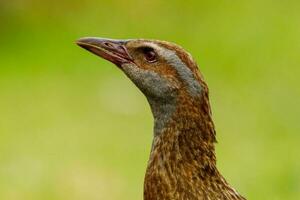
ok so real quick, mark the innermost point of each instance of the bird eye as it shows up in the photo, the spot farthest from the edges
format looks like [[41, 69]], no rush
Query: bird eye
[[149, 54]]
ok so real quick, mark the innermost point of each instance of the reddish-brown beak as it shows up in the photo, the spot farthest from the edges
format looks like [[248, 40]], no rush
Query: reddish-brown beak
[[111, 50]]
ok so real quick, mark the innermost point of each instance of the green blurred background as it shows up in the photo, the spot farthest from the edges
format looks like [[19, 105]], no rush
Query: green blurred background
[[73, 127]]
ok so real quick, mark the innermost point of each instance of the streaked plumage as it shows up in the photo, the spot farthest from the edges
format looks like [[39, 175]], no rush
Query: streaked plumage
[[182, 162]]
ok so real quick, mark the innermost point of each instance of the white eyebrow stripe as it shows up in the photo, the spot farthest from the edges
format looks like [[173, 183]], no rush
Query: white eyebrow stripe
[[184, 72]]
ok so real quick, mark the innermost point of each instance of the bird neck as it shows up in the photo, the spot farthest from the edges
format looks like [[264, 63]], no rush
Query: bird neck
[[182, 162], [183, 126]]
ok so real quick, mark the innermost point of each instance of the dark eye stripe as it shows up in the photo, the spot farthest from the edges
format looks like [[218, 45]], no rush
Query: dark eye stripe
[[183, 70]]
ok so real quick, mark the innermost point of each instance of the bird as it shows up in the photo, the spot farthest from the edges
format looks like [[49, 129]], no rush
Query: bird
[[182, 163]]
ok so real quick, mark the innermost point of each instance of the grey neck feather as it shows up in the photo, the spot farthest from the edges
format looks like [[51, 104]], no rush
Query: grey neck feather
[[162, 113], [159, 92]]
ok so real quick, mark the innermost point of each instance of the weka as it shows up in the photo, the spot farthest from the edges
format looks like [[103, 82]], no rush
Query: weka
[[182, 164]]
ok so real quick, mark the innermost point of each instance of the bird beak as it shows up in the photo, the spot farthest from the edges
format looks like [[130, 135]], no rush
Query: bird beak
[[111, 50]]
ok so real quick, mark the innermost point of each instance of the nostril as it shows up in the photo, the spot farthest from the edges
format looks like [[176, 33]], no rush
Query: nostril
[[107, 44]]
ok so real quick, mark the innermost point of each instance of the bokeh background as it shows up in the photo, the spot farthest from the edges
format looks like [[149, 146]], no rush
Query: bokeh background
[[72, 127]]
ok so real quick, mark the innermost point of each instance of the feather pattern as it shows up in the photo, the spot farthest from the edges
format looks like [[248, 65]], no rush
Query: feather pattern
[[182, 164]]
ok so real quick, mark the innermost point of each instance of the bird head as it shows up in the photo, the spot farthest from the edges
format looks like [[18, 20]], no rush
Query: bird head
[[163, 71]]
